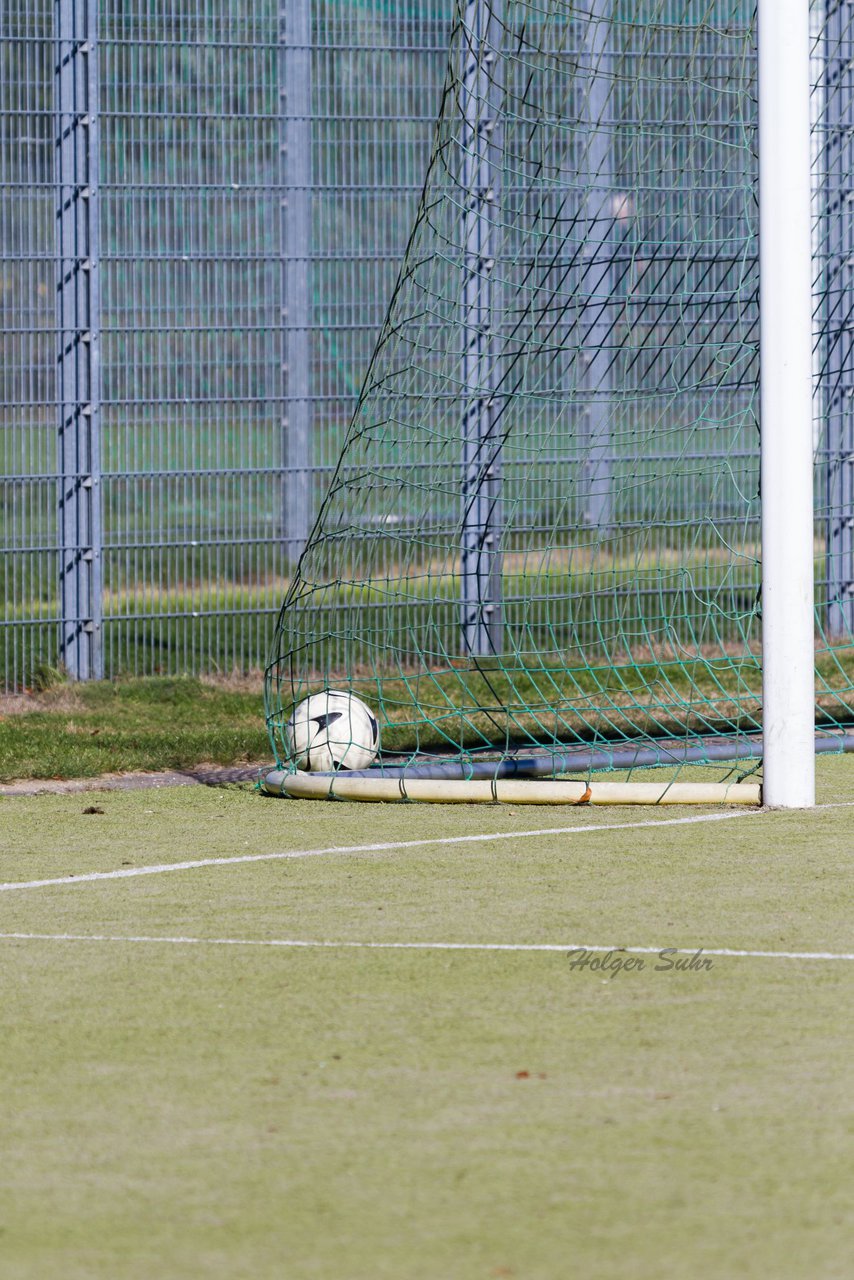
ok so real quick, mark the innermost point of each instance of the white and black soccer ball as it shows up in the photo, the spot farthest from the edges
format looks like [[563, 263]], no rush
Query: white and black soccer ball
[[332, 730]]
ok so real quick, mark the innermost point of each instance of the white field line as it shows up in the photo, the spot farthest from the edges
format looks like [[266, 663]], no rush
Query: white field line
[[127, 873], [164, 868], [549, 947]]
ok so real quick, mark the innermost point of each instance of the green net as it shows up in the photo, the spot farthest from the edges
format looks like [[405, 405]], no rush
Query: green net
[[544, 524]]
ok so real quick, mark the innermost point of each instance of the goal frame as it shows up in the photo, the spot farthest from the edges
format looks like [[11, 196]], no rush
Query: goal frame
[[786, 422], [786, 431]]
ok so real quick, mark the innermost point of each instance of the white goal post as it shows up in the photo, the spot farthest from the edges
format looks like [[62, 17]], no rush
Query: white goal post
[[786, 341]]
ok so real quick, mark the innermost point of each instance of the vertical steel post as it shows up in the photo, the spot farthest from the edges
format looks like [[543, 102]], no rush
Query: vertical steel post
[[78, 333], [785, 297], [838, 337], [480, 169], [295, 159], [596, 311]]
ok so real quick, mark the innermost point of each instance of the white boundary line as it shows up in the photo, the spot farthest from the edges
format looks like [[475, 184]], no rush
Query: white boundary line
[[163, 868], [548, 947], [128, 873]]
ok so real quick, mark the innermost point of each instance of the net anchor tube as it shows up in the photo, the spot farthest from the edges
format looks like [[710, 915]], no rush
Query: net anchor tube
[[341, 786]]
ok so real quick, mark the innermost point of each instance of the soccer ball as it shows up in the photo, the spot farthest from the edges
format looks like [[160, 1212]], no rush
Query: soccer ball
[[332, 730]]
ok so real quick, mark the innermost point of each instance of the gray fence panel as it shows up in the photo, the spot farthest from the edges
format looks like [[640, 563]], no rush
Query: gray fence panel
[[259, 170], [244, 276]]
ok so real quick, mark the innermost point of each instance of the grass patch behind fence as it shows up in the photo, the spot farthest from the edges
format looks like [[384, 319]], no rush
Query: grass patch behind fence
[[160, 723], [82, 731]]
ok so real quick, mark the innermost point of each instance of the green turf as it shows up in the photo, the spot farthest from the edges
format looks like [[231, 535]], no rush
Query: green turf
[[188, 1110], [151, 724]]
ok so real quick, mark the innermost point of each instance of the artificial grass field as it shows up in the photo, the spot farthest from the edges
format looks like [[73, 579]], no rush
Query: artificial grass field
[[180, 1109]]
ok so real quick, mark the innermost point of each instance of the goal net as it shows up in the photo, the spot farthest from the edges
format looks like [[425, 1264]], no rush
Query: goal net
[[543, 531]]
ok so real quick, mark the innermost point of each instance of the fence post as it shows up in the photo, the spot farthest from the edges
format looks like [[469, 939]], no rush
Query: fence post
[[295, 168], [480, 567], [838, 348], [595, 287], [78, 383]]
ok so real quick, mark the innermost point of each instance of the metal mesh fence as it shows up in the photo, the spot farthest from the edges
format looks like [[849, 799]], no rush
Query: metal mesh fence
[[203, 210]]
